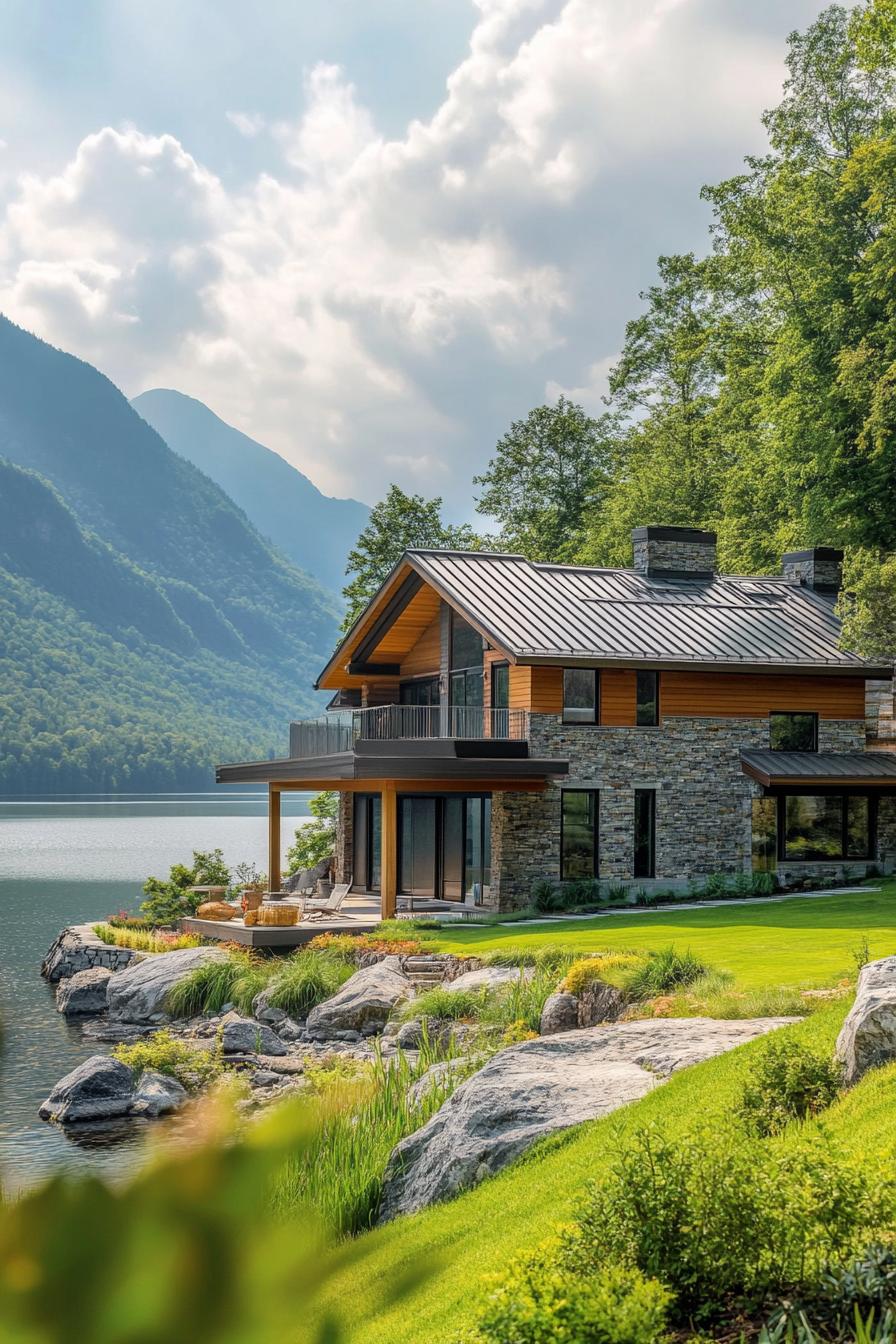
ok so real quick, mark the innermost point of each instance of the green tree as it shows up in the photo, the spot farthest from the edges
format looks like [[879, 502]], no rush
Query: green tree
[[316, 839], [867, 605], [397, 524], [546, 479]]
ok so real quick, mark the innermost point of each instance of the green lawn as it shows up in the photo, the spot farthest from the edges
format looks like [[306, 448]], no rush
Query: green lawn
[[793, 942], [459, 1242]]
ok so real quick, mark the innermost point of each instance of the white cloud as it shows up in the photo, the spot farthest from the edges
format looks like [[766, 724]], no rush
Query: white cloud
[[383, 307]]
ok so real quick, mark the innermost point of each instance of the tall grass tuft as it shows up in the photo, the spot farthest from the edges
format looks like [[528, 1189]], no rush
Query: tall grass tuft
[[307, 978], [452, 1006], [664, 972], [357, 1123], [144, 940], [236, 980]]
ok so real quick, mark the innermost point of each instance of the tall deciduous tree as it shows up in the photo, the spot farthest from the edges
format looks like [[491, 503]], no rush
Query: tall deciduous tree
[[398, 523], [546, 479]]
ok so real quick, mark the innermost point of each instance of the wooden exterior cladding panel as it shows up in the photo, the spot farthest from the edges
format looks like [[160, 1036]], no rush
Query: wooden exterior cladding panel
[[408, 627], [618, 697], [423, 658], [744, 695]]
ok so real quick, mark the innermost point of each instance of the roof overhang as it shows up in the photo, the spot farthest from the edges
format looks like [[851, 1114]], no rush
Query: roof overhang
[[821, 769], [551, 657], [443, 762]]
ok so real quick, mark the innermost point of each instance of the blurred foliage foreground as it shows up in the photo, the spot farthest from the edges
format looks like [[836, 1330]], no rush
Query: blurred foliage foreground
[[188, 1250]]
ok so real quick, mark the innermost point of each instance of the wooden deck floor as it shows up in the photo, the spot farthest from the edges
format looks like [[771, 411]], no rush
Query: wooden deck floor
[[361, 914]]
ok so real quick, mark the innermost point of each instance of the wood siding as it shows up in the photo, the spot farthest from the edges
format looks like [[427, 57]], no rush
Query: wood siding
[[408, 627], [618, 697], [743, 695], [423, 658]]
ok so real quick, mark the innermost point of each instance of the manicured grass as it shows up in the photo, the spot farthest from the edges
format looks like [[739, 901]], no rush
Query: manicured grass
[[457, 1243], [792, 942]]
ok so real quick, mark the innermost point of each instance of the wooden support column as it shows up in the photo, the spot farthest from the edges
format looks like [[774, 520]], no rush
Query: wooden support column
[[389, 851], [274, 877]]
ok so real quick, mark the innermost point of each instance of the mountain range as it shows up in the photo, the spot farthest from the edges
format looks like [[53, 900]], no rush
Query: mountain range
[[313, 530], [147, 629]]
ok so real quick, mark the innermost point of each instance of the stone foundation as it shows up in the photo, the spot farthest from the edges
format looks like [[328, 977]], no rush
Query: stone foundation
[[78, 949]]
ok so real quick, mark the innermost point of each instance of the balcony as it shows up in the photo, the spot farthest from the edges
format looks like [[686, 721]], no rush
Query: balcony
[[344, 730]]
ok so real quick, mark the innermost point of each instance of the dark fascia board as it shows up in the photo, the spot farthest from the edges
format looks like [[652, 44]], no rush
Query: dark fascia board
[[499, 748], [337, 766], [815, 553], [349, 766], [374, 669], [408, 589], [659, 532], [557, 657], [349, 635]]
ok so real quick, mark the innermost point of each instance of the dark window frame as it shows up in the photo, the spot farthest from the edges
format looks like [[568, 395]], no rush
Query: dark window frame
[[844, 795], [595, 863], [484, 798], [477, 666], [651, 839], [654, 721], [794, 714], [583, 723]]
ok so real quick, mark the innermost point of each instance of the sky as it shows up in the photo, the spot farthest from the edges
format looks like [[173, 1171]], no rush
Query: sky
[[369, 233]]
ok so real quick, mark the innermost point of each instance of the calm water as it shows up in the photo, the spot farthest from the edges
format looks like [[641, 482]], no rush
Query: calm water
[[67, 861]]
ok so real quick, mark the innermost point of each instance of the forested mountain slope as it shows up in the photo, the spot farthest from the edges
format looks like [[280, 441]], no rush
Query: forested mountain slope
[[146, 629], [314, 530]]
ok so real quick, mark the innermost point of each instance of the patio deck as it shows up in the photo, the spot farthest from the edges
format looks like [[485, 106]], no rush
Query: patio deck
[[362, 914]]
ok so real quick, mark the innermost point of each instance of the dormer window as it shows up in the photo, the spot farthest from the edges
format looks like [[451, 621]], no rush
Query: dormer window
[[789, 731], [581, 695]]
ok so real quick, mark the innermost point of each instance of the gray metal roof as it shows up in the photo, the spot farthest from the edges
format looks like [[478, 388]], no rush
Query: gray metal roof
[[552, 613], [782, 767]]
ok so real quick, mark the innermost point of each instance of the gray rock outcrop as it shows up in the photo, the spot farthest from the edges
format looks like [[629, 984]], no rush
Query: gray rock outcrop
[[364, 1002], [868, 1036], [84, 992], [77, 948], [157, 1094], [534, 1089], [560, 1013], [488, 977], [139, 993], [99, 1089], [245, 1036]]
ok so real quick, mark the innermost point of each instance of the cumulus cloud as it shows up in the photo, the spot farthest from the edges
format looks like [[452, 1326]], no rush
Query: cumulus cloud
[[381, 308]]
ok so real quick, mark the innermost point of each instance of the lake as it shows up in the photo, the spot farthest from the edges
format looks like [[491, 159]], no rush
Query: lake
[[68, 860]]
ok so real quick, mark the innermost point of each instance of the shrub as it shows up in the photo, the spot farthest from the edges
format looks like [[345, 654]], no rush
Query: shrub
[[617, 893], [235, 980], [716, 1216], [521, 1001], [547, 898], [540, 1301], [788, 1082], [169, 900], [305, 979], [191, 1065], [610, 967], [663, 972], [144, 940], [124, 920], [315, 840]]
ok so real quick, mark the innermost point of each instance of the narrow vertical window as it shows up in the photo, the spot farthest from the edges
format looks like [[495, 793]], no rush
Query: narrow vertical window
[[648, 699], [765, 835], [581, 692], [645, 833], [578, 834]]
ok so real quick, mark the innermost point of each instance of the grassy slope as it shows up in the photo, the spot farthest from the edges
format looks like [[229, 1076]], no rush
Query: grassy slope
[[796, 942], [477, 1233]]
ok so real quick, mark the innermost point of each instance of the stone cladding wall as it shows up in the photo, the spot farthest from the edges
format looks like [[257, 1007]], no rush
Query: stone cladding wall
[[703, 803], [345, 828], [677, 557], [78, 949]]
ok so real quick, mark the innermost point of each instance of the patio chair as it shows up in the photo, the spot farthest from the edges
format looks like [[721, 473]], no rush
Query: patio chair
[[330, 907]]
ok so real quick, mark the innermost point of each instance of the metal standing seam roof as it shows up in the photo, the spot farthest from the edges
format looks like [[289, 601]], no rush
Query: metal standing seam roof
[[543, 612], [782, 767]]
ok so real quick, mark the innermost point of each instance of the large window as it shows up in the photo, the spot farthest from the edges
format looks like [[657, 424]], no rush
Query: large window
[[578, 834], [466, 643], [465, 681], [581, 695], [792, 732], [648, 699], [645, 833], [421, 691], [826, 827]]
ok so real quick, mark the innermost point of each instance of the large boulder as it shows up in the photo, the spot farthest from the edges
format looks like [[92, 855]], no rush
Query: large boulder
[[560, 1013], [245, 1036], [84, 992], [99, 1089], [488, 977], [157, 1094], [364, 1002], [541, 1086], [139, 993], [868, 1036]]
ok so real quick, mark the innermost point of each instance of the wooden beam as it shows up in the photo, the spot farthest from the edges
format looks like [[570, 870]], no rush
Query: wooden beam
[[274, 837], [389, 851]]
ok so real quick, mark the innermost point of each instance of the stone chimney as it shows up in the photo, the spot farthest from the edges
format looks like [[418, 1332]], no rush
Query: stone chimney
[[674, 552], [820, 569]]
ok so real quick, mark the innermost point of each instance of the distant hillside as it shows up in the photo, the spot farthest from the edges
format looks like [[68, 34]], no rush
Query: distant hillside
[[146, 629], [314, 530]]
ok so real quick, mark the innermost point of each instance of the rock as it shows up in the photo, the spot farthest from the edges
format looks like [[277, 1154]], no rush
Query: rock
[[98, 1089], [262, 1009], [265, 1078], [868, 1036], [245, 1036], [369, 996], [541, 1086], [560, 1013], [410, 1034], [489, 977], [291, 1031], [157, 1094], [434, 1076], [138, 993], [600, 1003], [83, 992]]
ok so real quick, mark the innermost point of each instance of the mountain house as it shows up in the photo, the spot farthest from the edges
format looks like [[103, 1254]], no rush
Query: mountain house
[[496, 721]]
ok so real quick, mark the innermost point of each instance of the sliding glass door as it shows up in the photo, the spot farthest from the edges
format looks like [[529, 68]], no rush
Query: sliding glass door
[[444, 846]]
